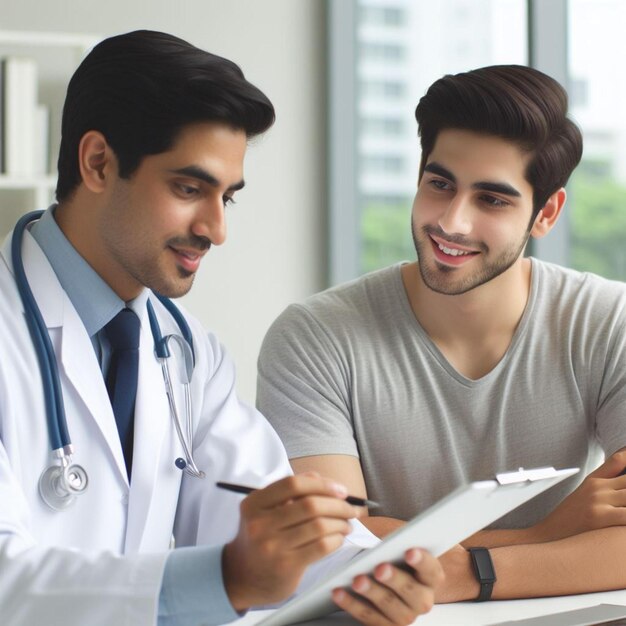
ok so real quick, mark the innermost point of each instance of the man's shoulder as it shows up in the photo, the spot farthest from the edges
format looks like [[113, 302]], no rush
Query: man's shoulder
[[346, 313], [374, 287], [580, 279], [362, 298], [571, 288]]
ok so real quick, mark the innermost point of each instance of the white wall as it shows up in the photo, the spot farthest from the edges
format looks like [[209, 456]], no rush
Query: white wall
[[275, 252]]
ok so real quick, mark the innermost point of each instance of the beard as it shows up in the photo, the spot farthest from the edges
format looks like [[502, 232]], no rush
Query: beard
[[440, 278]]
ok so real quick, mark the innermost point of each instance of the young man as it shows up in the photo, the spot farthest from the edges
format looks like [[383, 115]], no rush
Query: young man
[[153, 140], [473, 360]]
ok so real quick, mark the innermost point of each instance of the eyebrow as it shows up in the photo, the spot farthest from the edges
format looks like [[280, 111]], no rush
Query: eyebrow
[[193, 171], [504, 188]]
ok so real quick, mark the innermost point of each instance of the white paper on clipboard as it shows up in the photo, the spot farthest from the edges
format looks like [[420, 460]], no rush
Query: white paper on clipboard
[[466, 510]]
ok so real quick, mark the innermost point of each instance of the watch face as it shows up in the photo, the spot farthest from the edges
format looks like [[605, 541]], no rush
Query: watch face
[[483, 565]]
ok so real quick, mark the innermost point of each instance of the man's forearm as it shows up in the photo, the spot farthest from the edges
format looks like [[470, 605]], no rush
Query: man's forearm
[[563, 567], [503, 537], [381, 526], [592, 561]]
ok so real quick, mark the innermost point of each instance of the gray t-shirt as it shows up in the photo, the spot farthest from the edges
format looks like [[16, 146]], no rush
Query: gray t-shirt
[[350, 371]]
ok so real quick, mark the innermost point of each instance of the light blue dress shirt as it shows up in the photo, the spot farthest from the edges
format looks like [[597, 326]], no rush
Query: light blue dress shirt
[[192, 590]]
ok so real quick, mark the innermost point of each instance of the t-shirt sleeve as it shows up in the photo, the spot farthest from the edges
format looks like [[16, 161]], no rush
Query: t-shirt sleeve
[[303, 386], [611, 408]]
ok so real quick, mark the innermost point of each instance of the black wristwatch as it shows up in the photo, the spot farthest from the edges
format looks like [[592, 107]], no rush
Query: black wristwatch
[[485, 572]]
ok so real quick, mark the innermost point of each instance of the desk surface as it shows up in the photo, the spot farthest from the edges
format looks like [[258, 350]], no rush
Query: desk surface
[[475, 614]]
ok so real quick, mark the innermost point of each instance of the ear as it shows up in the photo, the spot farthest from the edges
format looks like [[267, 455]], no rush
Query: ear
[[96, 161], [549, 214]]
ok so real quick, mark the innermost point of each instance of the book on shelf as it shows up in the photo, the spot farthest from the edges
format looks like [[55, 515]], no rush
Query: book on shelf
[[2, 141], [41, 154], [25, 125]]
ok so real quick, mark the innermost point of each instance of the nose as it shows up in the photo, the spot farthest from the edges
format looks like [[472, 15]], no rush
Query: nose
[[210, 221], [456, 219]]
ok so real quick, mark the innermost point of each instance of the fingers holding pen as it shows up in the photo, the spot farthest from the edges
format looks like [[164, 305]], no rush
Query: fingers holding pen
[[299, 485], [283, 528], [300, 521], [298, 499], [301, 535]]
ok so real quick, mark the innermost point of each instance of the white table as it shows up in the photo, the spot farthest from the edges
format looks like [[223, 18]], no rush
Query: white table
[[478, 614]]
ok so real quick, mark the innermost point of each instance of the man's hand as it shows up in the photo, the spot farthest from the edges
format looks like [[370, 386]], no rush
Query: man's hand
[[598, 502], [392, 596], [283, 529]]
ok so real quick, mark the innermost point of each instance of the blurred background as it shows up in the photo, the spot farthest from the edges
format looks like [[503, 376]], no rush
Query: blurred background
[[329, 188]]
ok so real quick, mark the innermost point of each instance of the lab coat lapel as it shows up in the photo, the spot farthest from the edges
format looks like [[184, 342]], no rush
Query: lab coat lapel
[[151, 423], [83, 373], [78, 362]]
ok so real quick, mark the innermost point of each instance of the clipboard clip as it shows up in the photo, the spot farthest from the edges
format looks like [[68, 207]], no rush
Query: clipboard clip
[[526, 475]]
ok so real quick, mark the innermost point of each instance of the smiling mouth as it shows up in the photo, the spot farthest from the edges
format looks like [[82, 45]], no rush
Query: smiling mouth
[[189, 260], [451, 255], [453, 251]]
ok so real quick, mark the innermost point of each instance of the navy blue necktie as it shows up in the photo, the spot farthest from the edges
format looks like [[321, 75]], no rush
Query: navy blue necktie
[[121, 381]]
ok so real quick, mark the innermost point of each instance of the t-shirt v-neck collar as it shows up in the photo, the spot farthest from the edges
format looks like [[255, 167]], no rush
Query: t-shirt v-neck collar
[[411, 320]]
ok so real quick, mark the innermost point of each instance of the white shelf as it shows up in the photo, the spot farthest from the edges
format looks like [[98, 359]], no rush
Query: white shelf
[[27, 182], [34, 38], [37, 190]]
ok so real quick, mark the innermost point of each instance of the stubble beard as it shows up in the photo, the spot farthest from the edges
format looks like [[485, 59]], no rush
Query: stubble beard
[[151, 270], [165, 286], [439, 278]]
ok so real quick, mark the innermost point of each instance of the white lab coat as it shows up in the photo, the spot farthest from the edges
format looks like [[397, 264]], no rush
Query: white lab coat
[[100, 563]]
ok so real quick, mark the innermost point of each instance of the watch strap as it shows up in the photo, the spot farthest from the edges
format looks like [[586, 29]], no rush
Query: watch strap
[[484, 571]]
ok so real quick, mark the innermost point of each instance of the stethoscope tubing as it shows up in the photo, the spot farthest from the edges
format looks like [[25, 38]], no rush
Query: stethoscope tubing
[[55, 411], [174, 311], [56, 488]]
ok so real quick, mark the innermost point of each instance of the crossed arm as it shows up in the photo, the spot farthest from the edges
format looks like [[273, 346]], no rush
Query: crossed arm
[[557, 556]]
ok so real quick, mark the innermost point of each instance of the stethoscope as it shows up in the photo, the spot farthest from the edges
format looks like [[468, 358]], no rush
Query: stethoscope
[[63, 481]]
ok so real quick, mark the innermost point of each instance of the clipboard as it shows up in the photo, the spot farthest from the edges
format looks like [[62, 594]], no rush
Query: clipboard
[[464, 511]]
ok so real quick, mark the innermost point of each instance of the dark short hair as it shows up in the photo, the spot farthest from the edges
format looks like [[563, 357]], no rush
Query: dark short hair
[[141, 88], [513, 102]]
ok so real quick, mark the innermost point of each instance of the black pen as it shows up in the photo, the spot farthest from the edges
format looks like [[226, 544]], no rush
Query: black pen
[[246, 490]]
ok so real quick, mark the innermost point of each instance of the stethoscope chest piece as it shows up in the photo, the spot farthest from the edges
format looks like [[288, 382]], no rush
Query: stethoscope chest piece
[[59, 485]]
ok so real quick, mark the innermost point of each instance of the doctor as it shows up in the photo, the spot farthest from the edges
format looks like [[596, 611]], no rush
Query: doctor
[[154, 134]]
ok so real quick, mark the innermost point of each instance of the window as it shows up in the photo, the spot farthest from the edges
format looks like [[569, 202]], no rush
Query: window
[[383, 127], [390, 70], [382, 15], [374, 148], [597, 190], [376, 88], [374, 51]]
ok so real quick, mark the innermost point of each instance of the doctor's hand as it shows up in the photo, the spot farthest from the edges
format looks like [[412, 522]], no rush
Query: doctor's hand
[[393, 596], [283, 529], [598, 502]]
